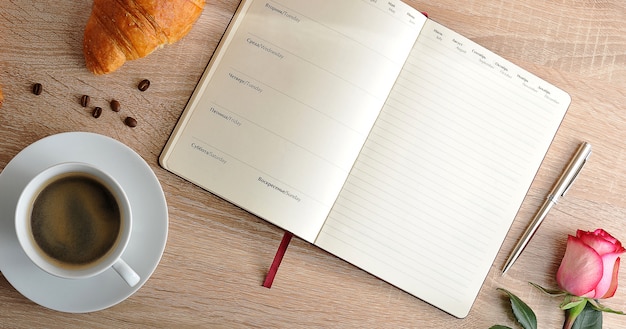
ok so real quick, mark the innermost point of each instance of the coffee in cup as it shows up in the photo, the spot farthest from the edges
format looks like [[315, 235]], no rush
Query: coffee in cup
[[74, 221]]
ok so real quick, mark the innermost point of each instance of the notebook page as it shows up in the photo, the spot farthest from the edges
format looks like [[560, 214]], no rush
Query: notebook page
[[286, 104], [444, 171]]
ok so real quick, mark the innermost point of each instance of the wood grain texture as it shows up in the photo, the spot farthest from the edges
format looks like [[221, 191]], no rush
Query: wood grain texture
[[217, 254]]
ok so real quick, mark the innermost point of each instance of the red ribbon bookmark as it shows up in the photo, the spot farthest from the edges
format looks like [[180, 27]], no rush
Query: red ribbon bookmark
[[282, 248]]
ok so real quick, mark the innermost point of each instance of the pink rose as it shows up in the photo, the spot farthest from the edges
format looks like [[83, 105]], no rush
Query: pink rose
[[590, 265]]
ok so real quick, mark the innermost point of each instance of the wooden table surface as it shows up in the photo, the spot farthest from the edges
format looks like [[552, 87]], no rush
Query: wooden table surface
[[217, 255]]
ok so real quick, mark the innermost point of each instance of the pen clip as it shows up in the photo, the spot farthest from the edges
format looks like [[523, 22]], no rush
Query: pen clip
[[569, 184]]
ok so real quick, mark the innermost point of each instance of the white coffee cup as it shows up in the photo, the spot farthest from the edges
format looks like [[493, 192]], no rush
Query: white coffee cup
[[74, 221]]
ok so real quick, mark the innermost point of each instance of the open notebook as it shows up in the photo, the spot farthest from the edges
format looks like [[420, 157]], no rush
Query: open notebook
[[372, 132]]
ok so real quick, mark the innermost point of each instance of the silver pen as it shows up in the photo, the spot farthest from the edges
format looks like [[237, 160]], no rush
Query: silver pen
[[560, 188]]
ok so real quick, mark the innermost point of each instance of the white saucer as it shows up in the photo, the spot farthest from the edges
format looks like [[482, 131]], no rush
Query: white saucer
[[148, 236]]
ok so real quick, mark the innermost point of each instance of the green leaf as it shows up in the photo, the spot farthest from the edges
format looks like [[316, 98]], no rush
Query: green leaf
[[571, 302], [596, 305], [549, 292], [497, 326], [523, 313], [573, 312], [589, 318]]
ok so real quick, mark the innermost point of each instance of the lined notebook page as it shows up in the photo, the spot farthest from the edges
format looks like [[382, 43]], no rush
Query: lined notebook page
[[444, 171]]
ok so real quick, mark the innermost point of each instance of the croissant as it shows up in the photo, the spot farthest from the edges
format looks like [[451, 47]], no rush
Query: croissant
[[121, 30]]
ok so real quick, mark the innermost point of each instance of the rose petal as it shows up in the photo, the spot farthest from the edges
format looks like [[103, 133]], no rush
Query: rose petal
[[609, 237], [613, 287], [581, 268], [598, 244], [604, 234], [601, 242], [608, 284]]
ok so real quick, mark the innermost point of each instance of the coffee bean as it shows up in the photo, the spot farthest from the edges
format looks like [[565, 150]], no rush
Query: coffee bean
[[97, 111], [143, 85], [84, 100], [115, 106], [131, 122], [37, 89]]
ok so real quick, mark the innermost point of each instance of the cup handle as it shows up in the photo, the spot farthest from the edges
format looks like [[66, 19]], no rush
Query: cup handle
[[128, 274]]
